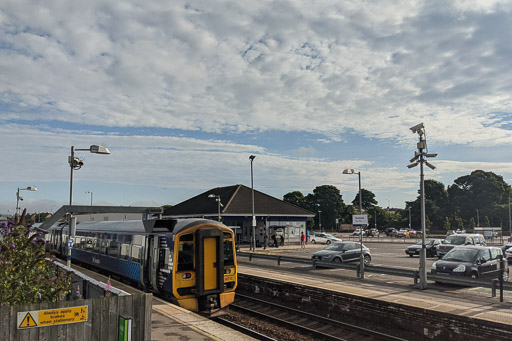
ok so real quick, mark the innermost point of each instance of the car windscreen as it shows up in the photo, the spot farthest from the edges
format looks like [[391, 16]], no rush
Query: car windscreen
[[455, 240], [461, 255], [334, 247], [328, 236]]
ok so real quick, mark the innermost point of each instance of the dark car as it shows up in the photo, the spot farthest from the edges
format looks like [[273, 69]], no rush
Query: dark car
[[459, 239], [471, 261], [431, 245], [390, 232], [343, 252]]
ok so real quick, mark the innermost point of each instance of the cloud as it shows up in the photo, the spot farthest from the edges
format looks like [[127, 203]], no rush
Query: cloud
[[325, 68]]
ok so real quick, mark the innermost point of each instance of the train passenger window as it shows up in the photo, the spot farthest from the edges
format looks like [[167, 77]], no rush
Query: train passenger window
[[82, 244], [186, 254], [88, 247], [113, 250], [136, 253], [228, 253], [104, 247], [95, 245], [125, 251]]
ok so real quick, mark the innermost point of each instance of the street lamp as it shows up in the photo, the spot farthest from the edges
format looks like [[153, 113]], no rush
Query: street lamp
[[253, 237], [90, 194], [320, 220], [18, 197], [419, 159], [477, 219], [76, 163], [361, 257], [219, 204]]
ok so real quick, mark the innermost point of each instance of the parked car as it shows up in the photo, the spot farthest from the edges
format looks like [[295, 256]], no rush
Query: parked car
[[324, 238], [471, 261], [459, 239], [390, 232], [507, 252], [402, 233], [343, 252], [373, 232], [431, 245], [412, 232], [358, 231]]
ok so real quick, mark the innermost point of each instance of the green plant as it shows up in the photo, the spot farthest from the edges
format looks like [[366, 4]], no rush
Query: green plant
[[27, 274]]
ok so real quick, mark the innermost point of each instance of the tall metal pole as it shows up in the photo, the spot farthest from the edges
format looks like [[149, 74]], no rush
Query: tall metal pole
[[253, 230], [423, 251], [477, 219], [71, 218], [361, 257], [410, 217], [509, 217], [320, 220], [18, 202], [218, 206]]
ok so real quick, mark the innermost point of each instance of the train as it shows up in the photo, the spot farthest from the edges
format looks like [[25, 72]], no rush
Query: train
[[191, 262]]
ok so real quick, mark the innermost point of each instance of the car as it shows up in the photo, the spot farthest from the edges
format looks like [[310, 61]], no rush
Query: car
[[357, 231], [343, 252], [390, 232], [412, 232], [373, 232], [402, 233], [459, 239], [471, 261], [430, 245], [324, 238], [507, 252]]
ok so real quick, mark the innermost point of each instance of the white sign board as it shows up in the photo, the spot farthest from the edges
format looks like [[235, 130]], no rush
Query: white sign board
[[360, 220]]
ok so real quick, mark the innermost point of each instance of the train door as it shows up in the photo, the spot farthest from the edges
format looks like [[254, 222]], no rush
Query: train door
[[210, 261], [153, 262]]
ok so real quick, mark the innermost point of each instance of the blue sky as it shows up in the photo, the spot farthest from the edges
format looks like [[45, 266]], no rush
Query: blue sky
[[183, 92]]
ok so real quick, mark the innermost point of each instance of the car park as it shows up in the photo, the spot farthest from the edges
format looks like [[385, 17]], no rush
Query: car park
[[343, 252], [459, 239], [402, 233], [390, 232], [471, 261], [324, 238], [431, 245]]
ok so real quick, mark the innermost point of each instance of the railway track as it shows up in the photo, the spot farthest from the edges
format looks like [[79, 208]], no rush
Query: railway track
[[319, 328]]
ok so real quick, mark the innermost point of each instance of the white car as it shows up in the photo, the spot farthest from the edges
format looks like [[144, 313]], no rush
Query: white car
[[324, 238]]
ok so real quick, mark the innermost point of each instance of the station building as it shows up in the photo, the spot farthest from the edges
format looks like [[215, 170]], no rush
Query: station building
[[273, 216]]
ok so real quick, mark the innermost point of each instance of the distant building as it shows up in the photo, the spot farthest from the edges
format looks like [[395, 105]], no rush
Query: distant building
[[273, 215]]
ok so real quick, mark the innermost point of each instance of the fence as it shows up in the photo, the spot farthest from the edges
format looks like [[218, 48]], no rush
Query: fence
[[494, 284]]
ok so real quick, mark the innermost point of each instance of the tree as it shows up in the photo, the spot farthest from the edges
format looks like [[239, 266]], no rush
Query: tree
[[328, 199], [26, 273], [447, 225], [436, 204], [487, 222], [368, 199], [295, 198]]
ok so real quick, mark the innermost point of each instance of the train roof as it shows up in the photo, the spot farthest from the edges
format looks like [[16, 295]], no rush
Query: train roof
[[138, 226]]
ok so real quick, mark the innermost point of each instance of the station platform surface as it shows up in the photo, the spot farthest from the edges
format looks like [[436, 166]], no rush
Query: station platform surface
[[476, 303]]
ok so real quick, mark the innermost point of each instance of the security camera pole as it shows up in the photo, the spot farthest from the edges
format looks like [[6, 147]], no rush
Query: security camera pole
[[253, 229], [419, 158]]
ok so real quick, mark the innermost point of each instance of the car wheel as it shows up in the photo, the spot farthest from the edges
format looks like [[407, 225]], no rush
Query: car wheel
[[367, 260], [337, 260], [410, 255], [313, 241], [328, 242]]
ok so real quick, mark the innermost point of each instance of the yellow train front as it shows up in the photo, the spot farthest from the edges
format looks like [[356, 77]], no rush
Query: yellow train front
[[203, 267]]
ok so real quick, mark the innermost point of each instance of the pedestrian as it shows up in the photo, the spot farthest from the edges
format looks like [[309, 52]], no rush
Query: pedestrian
[[274, 238], [307, 237], [302, 241], [282, 240]]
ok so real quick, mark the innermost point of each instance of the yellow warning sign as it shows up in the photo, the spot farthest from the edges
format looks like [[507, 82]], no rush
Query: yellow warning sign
[[28, 321], [50, 317]]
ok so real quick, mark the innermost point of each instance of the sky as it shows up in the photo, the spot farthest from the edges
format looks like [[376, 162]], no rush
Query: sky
[[183, 92]]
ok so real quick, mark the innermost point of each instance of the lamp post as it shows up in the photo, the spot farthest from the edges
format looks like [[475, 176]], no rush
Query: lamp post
[[76, 163], [18, 197], [253, 230], [410, 217], [477, 219], [90, 194], [361, 256], [320, 220], [219, 204], [420, 159]]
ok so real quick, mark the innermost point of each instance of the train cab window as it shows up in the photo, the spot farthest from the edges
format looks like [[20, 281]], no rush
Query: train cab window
[[113, 250], [104, 247], [228, 253], [125, 251], [186, 253], [136, 253]]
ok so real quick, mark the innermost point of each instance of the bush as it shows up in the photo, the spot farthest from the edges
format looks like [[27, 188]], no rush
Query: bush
[[27, 275]]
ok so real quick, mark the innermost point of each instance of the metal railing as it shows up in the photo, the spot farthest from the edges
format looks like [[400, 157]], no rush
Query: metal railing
[[493, 284]]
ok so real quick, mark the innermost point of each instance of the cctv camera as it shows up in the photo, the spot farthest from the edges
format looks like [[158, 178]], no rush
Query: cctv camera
[[417, 128]]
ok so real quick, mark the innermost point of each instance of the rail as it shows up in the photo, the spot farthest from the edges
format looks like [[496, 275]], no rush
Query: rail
[[493, 284]]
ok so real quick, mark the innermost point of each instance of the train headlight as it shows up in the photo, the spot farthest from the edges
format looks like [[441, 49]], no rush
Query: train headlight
[[227, 271], [186, 275]]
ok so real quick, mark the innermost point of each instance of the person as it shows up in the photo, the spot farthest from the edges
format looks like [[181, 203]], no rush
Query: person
[[307, 237], [302, 241], [282, 240], [265, 241], [274, 238]]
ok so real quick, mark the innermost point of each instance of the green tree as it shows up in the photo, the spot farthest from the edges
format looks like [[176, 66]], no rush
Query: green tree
[[472, 223], [447, 225], [295, 198], [328, 199], [368, 199], [436, 204], [487, 222], [26, 274]]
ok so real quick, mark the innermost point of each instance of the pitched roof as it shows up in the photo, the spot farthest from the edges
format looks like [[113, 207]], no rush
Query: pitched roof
[[236, 201]]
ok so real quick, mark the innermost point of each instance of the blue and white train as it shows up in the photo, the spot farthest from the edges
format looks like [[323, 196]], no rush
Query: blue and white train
[[191, 261]]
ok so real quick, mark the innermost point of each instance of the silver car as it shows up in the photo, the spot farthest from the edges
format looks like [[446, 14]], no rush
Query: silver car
[[343, 252], [324, 238]]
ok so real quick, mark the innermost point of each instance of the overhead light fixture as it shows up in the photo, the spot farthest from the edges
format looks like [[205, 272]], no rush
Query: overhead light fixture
[[417, 128]]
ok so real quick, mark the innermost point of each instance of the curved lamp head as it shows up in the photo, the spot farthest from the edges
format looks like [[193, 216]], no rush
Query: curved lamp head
[[30, 188], [348, 171], [252, 157]]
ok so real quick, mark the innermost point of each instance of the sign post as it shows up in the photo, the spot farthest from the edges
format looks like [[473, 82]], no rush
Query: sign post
[[360, 220]]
